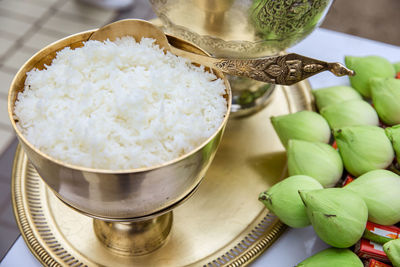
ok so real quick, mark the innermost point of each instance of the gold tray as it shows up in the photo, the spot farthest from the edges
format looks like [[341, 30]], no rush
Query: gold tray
[[223, 224]]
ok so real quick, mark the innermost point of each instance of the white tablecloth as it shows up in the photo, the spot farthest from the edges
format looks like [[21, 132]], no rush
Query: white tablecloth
[[295, 244]]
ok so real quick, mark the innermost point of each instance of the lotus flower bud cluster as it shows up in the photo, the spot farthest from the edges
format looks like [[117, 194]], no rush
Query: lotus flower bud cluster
[[303, 125], [332, 257], [392, 250], [365, 68], [338, 216], [364, 148], [380, 190], [318, 160], [393, 133], [386, 96], [325, 97], [284, 201], [350, 113]]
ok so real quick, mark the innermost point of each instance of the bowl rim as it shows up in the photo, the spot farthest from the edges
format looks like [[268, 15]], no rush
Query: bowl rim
[[22, 73]]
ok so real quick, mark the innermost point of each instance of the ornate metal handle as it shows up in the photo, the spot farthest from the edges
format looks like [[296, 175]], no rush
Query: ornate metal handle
[[286, 69]]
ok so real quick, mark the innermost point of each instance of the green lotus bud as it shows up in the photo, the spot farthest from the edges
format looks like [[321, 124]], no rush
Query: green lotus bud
[[380, 191], [365, 68], [317, 160], [349, 113], [302, 125], [393, 133], [338, 216], [386, 96], [284, 201], [396, 67], [363, 148], [331, 95], [392, 250], [333, 257]]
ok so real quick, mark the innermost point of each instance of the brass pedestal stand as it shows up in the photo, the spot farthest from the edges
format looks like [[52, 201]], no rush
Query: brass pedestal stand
[[134, 238]]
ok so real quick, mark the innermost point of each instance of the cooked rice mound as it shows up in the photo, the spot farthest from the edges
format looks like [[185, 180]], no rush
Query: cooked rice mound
[[119, 105]]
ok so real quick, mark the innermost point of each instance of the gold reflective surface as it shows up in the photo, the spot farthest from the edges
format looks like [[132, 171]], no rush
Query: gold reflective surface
[[222, 224], [134, 238], [241, 28]]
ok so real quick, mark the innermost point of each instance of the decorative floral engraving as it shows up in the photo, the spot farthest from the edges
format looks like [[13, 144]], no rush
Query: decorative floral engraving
[[270, 26], [295, 73], [313, 67], [274, 70], [284, 19], [286, 69]]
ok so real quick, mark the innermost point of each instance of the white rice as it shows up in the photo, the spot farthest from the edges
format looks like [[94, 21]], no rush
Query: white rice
[[119, 105]]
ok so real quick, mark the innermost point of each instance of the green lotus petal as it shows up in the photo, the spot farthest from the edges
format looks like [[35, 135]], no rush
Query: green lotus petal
[[318, 160], [393, 133], [302, 125], [284, 201], [380, 190], [392, 250], [386, 99], [363, 148], [338, 216], [365, 68], [349, 113], [325, 97], [333, 257]]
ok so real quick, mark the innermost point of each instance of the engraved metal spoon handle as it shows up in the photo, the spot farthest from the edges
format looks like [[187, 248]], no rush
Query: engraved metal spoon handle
[[283, 69]]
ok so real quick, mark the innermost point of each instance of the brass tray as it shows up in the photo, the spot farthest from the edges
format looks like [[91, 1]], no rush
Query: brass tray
[[223, 224]]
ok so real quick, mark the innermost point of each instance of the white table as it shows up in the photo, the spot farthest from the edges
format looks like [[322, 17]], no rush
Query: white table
[[295, 244]]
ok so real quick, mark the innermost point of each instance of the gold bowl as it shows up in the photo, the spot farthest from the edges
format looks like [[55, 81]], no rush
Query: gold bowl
[[241, 28], [119, 194], [142, 194]]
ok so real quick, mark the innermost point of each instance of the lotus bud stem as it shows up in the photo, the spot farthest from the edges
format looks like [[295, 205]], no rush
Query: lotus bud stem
[[375, 238]]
